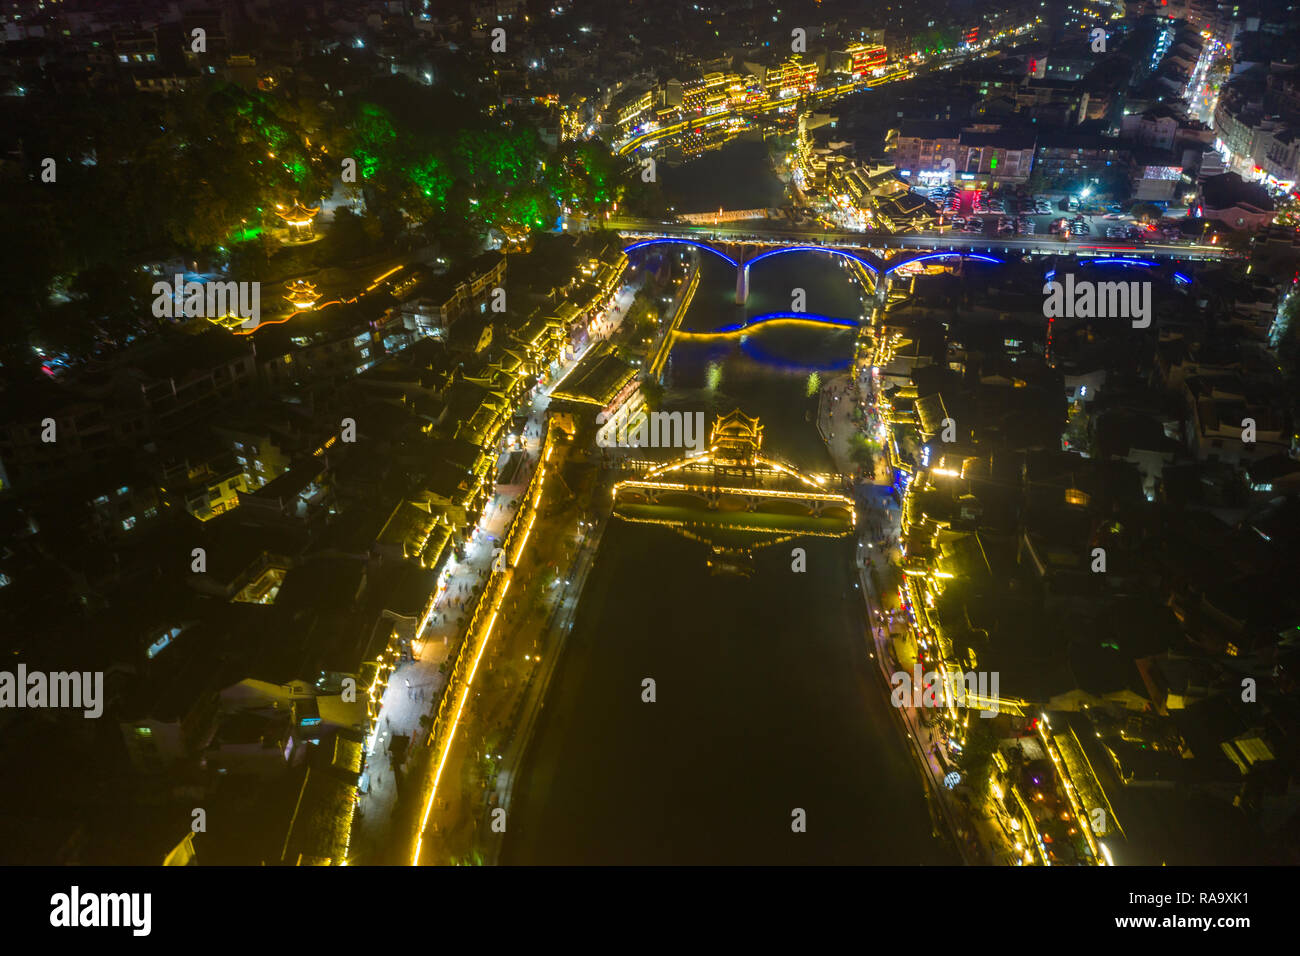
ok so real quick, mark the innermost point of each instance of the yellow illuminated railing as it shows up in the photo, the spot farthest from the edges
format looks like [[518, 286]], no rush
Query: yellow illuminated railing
[[666, 345]]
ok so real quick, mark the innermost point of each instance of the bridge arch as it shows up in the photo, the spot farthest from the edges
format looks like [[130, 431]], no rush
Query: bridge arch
[[742, 271], [925, 257], [866, 263], [681, 242]]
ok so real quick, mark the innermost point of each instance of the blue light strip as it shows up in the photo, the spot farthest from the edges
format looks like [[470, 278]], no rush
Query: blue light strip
[[835, 252], [680, 242], [750, 348], [1144, 263], [945, 255]]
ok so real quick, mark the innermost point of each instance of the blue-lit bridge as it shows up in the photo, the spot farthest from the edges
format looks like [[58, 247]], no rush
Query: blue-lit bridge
[[777, 233], [873, 264], [881, 256]]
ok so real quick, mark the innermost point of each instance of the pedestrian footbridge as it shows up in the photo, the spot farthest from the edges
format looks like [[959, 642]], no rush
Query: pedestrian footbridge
[[733, 485]]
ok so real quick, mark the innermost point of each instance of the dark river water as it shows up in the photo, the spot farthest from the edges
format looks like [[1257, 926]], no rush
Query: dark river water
[[767, 701], [737, 176]]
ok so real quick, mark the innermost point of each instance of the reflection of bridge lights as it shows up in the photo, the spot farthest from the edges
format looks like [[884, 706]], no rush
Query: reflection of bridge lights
[[751, 349], [1117, 261]]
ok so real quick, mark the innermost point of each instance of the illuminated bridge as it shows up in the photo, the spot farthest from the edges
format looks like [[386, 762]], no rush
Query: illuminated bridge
[[733, 485], [872, 264], [881, 251], [738, 329]]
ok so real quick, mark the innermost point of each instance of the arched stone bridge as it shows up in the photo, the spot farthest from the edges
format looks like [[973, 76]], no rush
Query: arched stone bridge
[[875, 263]]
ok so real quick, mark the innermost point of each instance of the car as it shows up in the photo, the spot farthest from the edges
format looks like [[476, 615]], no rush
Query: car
[[957, 221]]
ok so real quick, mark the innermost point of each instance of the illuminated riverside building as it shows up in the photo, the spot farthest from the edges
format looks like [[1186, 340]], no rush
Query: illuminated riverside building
[[932, 152], [865, 59], [791, 78], [716, 92], [636, 111]]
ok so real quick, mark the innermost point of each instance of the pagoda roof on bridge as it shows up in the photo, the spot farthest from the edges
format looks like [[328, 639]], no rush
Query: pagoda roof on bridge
[[736, 438]]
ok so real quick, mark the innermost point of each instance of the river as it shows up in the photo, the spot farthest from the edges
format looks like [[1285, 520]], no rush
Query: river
[[767, 702]]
